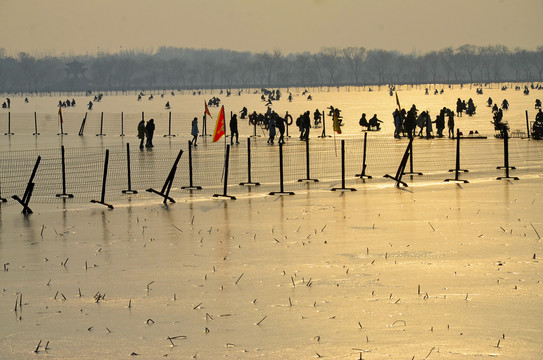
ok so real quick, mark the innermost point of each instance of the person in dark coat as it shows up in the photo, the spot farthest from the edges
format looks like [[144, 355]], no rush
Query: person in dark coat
[[280, 125], [306, 125], [149, 131], [141, 132], [194, 132], [234, 129]]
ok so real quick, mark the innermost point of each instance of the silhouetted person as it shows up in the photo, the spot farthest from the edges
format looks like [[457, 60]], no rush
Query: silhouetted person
[[141, 132], [364, 122], [149, 132], [450, 123], [234, 129], [194, 131], [374, 122]]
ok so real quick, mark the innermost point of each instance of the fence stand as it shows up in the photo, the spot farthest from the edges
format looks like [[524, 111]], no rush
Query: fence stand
[[101, 125], [102, 198], [457, 167], [411, 172], [204, 126], [9, 125], [226, 157], [323, 134], [82, 128], [343, 188], [362, 174], [122, 124], [282, 190], [191, 186], [64, 194], [35, 124], [170, 128], [28, 191], [129, 190], [527, 125], [506, 159], [308, 178], [401, 168], [165, 192], [249, 182], [62, 127]]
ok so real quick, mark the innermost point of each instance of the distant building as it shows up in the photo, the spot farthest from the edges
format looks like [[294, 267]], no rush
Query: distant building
[[75, 69]]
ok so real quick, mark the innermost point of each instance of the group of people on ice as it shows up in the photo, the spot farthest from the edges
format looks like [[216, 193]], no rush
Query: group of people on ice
[[407, 123]]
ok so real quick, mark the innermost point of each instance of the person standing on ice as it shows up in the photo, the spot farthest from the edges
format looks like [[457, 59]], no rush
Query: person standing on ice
[[194, 132], [397, 123], [149, 131], [450, 123], [280, 125], [271, 130], [234, 129], [141, 132], [459, 107], [428, 126], [306, 125]]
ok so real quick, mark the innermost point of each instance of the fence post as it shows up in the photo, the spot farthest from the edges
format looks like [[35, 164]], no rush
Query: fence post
[[343, 170], [307, 167], [61, 124], [28, 191], [9, 124], [101, 125], [411, 172], [190, 171], [226, 157], [401, 167], [249, 182], [129, 190], [204, 125], [170, 128], [282, 190], [122, 124], [64, 194], [457, 167], [35, 124], [323, 135], [527, 125], [165, 192], [104, 178], [363, 172], [82, 128], [506, 158]]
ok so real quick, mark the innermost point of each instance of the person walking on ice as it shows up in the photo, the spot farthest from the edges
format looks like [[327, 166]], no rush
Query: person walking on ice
[[149, 131], [141, 132], [194, 132]]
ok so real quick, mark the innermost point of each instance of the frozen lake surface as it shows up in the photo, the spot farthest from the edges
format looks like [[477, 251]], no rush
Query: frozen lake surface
[[434, 270]]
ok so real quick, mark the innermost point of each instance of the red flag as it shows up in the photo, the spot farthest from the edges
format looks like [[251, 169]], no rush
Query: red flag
[[398, 102], [219, 127], [207, 109], [60, 114]]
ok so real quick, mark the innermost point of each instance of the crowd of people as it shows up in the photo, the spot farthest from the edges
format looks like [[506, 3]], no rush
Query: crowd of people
[[411, 123]]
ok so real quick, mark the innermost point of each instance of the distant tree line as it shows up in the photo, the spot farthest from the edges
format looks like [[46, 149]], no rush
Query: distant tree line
[[183, 68]]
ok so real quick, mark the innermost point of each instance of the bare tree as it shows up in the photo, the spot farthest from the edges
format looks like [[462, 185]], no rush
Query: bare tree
[[330, 60], [467, 55], [354, 58], [379, 63]]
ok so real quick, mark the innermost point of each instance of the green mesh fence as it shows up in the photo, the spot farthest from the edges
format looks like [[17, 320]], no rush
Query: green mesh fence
[[150, 168]]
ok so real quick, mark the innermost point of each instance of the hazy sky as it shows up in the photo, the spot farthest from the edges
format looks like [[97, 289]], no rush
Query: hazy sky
[[67, 27]]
